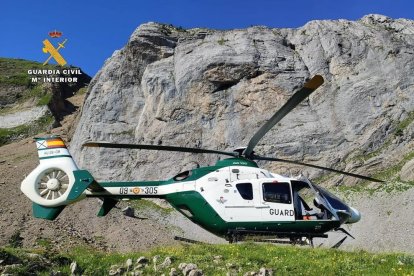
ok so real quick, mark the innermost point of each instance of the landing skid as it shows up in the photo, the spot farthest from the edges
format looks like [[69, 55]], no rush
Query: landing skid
[[274, 237]]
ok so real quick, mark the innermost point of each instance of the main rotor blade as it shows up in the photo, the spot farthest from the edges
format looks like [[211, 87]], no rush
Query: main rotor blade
[[315, 166], [298, 97], [154, 147]]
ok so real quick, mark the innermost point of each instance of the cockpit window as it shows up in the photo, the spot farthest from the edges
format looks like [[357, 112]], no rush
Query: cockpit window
[[335, 202], [277, 192], [245, 190]]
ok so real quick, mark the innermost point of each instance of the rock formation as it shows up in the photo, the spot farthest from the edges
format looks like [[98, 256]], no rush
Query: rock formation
[[214, 89]]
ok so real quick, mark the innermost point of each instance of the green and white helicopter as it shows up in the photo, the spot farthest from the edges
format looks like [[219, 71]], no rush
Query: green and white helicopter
[[233, 199]]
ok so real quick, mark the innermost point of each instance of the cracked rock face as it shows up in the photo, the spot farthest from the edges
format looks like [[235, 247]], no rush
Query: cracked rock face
[[214, 89]]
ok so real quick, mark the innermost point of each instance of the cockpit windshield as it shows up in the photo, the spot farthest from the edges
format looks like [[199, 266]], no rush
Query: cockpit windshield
[[334, 201]]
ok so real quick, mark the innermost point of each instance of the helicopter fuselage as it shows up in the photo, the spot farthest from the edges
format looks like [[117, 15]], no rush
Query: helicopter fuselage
[[234, 196]]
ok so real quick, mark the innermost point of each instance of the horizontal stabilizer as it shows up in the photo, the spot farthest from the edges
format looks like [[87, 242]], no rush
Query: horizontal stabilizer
[[49, 213], [107, 205]]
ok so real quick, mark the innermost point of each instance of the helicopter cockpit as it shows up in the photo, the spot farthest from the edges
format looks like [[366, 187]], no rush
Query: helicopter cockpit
[[312, 202]]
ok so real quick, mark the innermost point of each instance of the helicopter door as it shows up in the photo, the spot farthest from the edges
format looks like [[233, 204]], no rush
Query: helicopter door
[[240, 204], [276, 201]]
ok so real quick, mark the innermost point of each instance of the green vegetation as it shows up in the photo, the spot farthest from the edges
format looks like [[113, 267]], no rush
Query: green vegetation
[[7, 135], [82, 91], [144, 206], [16, 240], [404, 124], [237, 258], [14, 72], [393, 183], [13, 68], [222, 41]]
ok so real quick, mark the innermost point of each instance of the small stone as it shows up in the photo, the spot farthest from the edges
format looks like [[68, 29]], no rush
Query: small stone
[[265, 272], [250, 273], [128, 264], [196, 272], [167, 262], [75, 269], [188, 268], [181, 266], [142, 260], [128, 211], [173, 272], [231, 266], [116, 270], [155, 259]]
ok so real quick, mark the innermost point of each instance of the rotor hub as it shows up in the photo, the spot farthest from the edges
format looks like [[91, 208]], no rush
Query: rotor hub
[[53, 184]]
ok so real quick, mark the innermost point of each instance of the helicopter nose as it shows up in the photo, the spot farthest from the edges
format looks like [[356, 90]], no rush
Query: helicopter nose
[[355, 216]]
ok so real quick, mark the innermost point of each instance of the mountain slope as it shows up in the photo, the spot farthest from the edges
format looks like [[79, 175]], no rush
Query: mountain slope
[[26, 107]]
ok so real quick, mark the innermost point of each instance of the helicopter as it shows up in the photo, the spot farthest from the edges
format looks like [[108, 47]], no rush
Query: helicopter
[[233, 199]]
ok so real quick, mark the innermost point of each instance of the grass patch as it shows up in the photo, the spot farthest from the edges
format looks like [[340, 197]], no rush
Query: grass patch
[[7, 135], [404, 124], [222, 41], [239, 259], [82, 91], [392, 184], [143, 206], [44, 100]]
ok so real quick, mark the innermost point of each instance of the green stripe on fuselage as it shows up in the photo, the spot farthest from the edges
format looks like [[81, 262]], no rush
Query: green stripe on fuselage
[[205, 216]]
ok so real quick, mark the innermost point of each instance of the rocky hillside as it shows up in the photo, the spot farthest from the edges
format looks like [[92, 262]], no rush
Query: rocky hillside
[[26, 107]]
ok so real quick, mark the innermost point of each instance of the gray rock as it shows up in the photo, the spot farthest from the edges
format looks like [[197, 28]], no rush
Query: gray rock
[[116, 270], [129, 211], [173, 272], [407, 171], [265, 272], [128, 264], [75, 269], [187, 268], [166, 263], [196, 272]]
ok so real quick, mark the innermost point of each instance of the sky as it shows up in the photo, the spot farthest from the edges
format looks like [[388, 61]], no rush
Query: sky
[[95, 29]]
